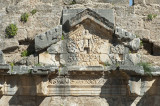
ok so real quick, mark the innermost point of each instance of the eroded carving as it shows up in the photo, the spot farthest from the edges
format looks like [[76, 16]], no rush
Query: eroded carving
[[59, 81], [86, 45]]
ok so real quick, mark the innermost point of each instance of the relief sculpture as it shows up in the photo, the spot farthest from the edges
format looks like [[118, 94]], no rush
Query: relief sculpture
[[85, 46]]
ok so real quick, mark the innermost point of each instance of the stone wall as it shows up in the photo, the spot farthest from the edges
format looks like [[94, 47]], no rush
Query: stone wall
[[57, 86], [133, 19]]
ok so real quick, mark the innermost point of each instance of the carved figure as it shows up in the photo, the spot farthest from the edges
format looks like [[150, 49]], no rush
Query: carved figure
[[88, 41]]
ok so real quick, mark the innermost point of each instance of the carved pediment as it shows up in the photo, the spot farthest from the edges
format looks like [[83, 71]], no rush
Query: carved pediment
[[92, 15], [87, 41]]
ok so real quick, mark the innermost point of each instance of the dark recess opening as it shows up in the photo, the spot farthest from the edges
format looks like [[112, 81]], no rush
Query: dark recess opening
[[151, 48], [148, 47]]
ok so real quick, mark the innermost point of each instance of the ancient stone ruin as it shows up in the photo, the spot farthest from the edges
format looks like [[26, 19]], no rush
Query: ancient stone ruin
[[87, 60]]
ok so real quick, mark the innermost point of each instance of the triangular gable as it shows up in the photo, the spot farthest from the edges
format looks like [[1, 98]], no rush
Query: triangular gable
[[92, 15]]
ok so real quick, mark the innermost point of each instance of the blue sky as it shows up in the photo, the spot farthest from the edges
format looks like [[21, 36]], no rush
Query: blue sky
[[130, 2]]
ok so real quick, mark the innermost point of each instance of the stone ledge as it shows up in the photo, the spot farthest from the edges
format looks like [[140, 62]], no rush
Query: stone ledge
[[45, 70], [4, 67], [156, 71], [132, 70]]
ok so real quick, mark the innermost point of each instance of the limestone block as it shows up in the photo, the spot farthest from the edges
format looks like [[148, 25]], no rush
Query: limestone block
[[123, 34], [30, 60], [105, 58], [132, 59], [116, 1], [44, 7], [41, 88], [104, 48], [114, 58], [1, 57], [44, 70], [118, 49], [20, 70], [68, 59], [21, 35], [67, 1], [22, 61], [48, 38], [155, 70], [132, 70], [152, 1], [106, 13], [9, 44], [72, 46], [135, 44], [143, 34], [48, 59], [122, 11], [135, 85], [59, 47], [50, 1]]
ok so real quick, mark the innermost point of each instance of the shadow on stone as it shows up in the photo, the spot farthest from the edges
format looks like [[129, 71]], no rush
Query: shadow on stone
[[24, 93], [115, 90], [151, 96]]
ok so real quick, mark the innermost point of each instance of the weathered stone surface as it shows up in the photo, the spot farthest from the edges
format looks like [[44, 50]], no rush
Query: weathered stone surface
[[132, 70], [68, 59], [1, 57], [48, 59], [135, 44], [48, 38], [85, 68], [20, 70], [143, 34], [123, 34], [135, 85], [21, 35], [70, 13], [91, 15], [44, 70], [9, 44], [139, 2], [115, 1], [41, 87], [59, 47], [104, 48], [155, 71], [132, 59], [4, 69], [118, 49], [115, 58], [85, 44], [105, 58], [110, 83], [30, 60], [152, 1]]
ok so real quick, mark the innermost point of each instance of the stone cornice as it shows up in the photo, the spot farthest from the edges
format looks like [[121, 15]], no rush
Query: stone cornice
[[6, 69], [88, 13]]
